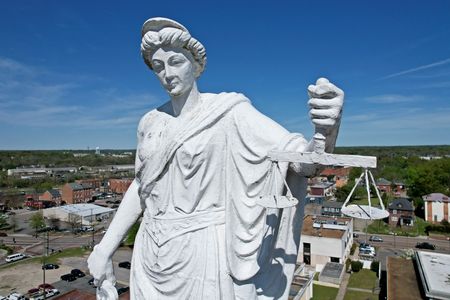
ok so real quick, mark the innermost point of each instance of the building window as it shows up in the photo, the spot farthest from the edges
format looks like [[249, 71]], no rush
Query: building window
[[307, 248], [335, 259]]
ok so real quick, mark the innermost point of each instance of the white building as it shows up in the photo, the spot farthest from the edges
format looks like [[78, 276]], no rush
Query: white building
[[436, 207], [434, 269], [325, 239], [86, 213]]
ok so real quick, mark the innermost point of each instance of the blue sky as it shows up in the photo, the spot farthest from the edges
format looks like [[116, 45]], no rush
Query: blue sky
[[71, 75]]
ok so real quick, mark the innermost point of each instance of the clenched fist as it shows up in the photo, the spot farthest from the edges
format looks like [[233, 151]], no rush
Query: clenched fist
[[325, 102]]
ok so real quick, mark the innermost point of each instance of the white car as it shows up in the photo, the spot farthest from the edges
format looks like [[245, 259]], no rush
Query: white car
[[15, 296], [48, 293]]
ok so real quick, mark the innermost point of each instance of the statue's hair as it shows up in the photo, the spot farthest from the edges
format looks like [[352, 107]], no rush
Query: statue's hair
[[173, 37]]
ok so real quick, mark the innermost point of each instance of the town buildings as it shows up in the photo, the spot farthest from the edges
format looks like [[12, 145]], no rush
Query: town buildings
[[436, 207], [119, 186], [401, 212], [325, 239], [83, 214], [73, 193]]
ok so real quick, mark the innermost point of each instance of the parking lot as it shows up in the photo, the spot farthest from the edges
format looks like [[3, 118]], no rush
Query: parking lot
[[24, 276]]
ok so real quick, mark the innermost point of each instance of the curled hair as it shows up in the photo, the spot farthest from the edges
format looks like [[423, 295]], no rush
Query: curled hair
[[174, 37]]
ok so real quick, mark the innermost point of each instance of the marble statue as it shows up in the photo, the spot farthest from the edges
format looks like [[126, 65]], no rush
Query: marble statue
[[201, 166]]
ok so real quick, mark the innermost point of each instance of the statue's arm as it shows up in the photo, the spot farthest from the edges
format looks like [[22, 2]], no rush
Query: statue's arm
[[100, 260], [127, 214], [326, 102], [130, 209]]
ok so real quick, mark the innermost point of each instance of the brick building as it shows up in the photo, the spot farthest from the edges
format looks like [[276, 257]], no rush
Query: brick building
[[436, 207], [401, 212], [338, 175], [95, 183], [73, 193], [120, 186], [51, 195]]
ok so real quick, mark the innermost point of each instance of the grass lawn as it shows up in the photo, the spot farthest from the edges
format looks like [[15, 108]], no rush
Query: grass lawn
[[364, 201], [364, 279], [54, 258], [71, 252], [321, 292], [380, 227], [356, 295]]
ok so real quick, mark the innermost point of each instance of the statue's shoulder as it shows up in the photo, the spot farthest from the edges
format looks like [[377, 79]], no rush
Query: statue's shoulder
[[224, 100]]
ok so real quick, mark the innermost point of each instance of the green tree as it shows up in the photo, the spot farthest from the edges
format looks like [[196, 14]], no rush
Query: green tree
[[37, 221]]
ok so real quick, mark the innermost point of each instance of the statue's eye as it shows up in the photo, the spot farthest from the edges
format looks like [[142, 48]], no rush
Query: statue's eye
[[176, 60], [157, 66]]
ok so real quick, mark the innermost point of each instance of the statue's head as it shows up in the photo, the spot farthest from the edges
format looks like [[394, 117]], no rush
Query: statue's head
[[168, 34]]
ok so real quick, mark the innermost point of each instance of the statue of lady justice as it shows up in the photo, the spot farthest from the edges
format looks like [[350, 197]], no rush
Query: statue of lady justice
[[201, 166]]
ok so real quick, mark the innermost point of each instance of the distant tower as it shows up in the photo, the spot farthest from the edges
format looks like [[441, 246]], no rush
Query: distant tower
[[97, 150]]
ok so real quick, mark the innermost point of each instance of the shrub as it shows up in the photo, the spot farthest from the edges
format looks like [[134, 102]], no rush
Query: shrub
[[356, 265], [374, 266], [348, 262], [352, 249]]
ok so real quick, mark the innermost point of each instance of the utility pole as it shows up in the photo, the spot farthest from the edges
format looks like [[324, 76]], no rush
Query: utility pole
[[43, 262], [93, 229]]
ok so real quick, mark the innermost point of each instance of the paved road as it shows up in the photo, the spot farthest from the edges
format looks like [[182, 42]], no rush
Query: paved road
[[402, 242]]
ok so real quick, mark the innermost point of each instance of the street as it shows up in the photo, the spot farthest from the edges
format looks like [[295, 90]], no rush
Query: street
[[403, 242]]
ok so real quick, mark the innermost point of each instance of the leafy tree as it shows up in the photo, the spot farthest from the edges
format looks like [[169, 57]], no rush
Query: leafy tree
[[37, 221], [3, 221]]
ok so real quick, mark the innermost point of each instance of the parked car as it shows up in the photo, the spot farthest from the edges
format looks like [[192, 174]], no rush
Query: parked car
[[375, 238], [33, 290], [46, 286], [16, 296], [355, 235], [48, 293], [50, 266], [3, 233], [14, 257], [68, 277], [367, 252], [425, 245], [125, 265], [77, 273], [365, 245]]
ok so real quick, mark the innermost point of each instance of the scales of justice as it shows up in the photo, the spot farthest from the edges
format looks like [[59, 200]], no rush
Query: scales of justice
[[320, 157]]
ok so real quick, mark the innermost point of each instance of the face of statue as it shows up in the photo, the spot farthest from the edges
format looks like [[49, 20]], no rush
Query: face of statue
[[175, 69]]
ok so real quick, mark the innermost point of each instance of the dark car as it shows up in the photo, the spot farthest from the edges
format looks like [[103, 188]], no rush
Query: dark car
[[125, 265], [77, 273], [425, 245], [33, 290], [50, 266], [374, 238], [68, 277], [122, 290], [46, 286]]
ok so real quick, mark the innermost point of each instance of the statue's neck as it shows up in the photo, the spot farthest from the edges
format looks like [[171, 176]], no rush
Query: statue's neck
[[185, 103]]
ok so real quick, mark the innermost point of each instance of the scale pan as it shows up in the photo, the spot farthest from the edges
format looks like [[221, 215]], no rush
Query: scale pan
[[273, 201], [364, 212]]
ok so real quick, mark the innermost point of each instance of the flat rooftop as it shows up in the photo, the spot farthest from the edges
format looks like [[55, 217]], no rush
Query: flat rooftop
[[434, 270], [402, 281], [332, 269], [321, 226]]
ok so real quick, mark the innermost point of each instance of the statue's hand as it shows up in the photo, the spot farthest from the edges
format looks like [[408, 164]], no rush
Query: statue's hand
[[325, 102], [101, 267]]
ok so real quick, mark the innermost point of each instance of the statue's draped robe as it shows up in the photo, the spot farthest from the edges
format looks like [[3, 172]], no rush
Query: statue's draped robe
[[203, 236]]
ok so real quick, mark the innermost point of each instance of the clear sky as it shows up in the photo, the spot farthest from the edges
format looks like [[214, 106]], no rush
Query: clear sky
[[71, 75]]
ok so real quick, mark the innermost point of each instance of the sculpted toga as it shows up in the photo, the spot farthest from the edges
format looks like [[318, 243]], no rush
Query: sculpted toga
[[201, 165]]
